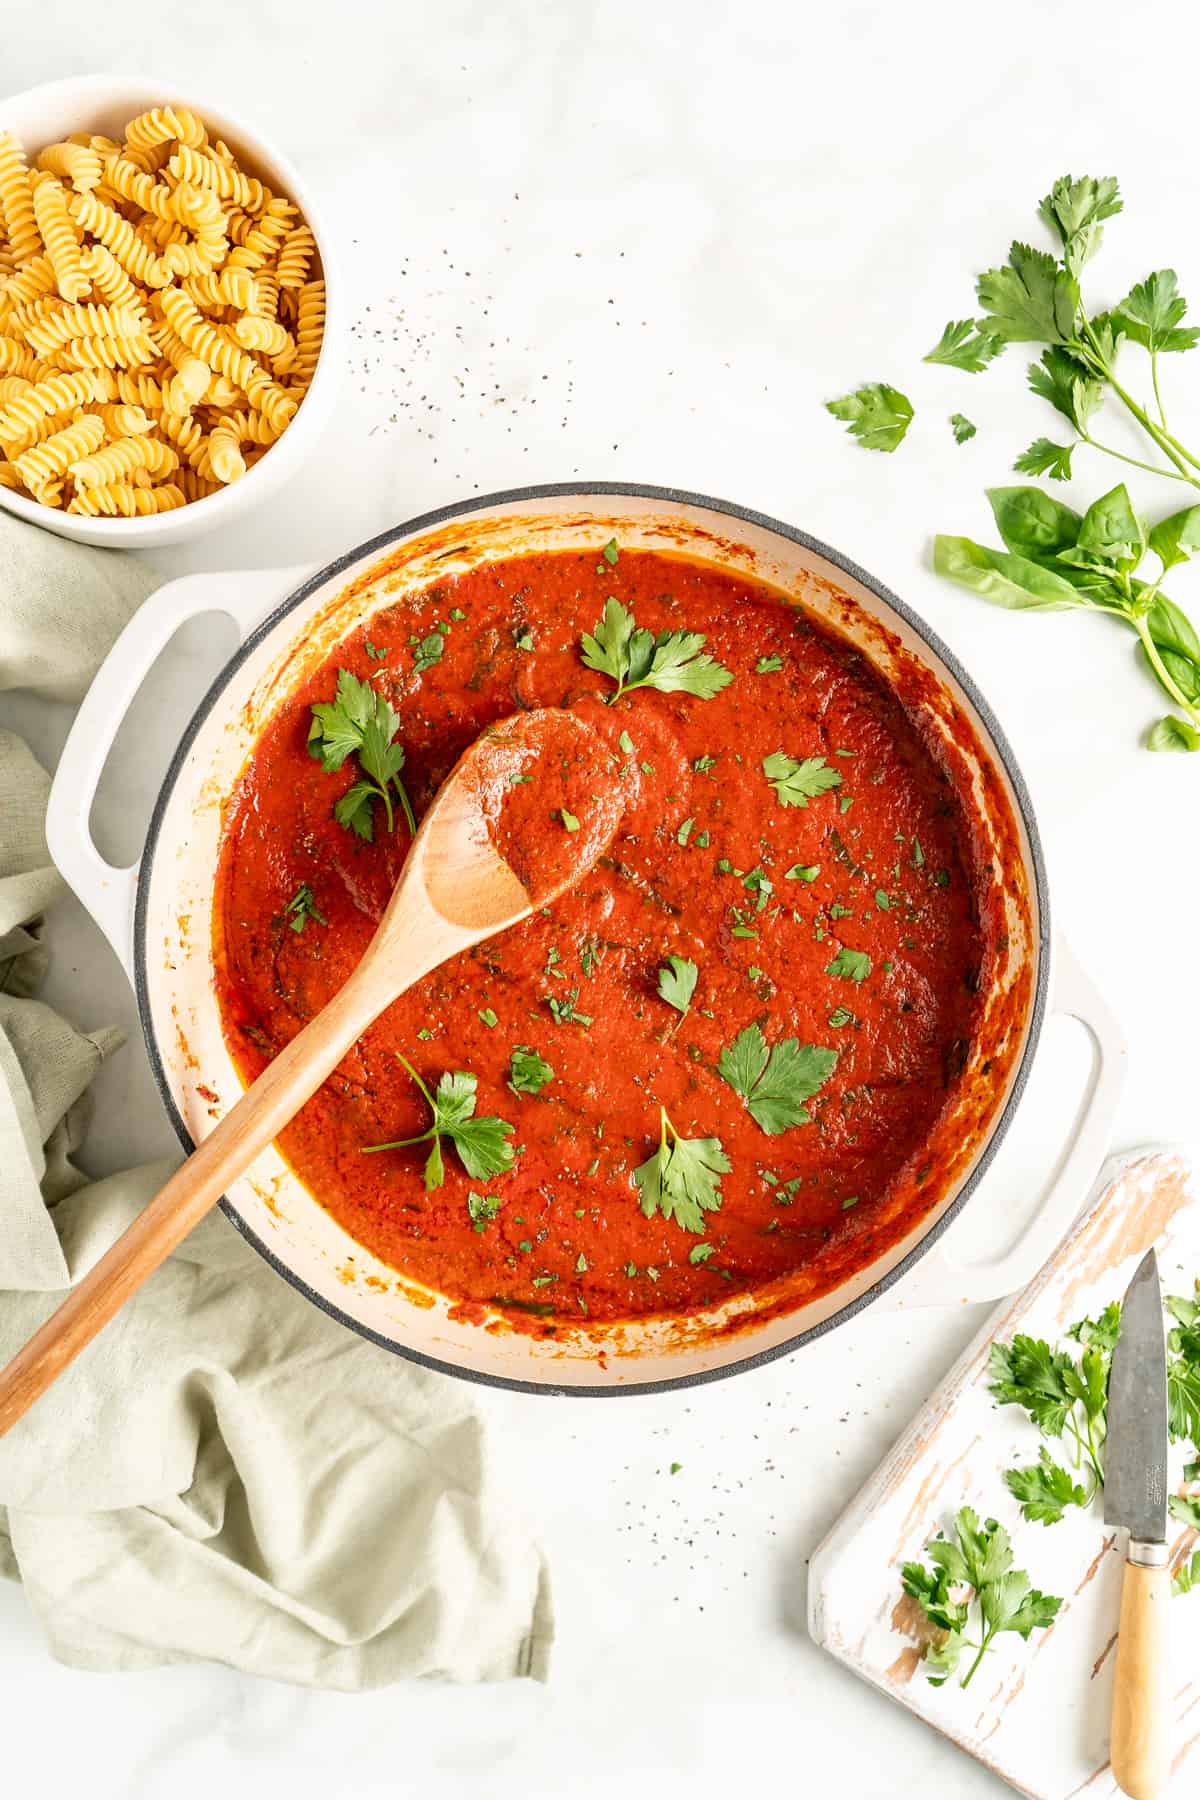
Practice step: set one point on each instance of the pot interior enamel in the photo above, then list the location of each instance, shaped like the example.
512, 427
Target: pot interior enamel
174, 929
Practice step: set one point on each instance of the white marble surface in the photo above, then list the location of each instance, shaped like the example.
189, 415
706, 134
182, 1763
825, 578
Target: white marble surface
630, 241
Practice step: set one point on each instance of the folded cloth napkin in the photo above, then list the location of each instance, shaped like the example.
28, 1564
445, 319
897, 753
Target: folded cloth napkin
225, 1474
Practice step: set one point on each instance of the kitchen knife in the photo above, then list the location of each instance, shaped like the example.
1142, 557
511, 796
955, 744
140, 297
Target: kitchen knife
1135, 1498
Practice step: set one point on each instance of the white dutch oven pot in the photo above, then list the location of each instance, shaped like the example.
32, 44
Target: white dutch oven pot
157, 916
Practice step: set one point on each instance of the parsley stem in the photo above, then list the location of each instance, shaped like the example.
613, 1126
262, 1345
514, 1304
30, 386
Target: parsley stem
387, 804
1162, 412
407, 806
984, 1644
1135, 462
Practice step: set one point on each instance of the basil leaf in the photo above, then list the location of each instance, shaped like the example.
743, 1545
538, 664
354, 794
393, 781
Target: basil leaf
1174, 538
1005, 580
1172, 630
1032, 523
1172, 733
1112, 531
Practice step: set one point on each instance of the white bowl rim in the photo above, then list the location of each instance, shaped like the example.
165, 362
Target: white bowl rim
203, 515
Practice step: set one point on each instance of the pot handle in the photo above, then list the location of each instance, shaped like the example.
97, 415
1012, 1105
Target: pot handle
940, 1279
245, 596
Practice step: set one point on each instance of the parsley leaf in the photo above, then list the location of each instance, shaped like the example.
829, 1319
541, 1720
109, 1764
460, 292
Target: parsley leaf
965, 345
1046, 1489
1187, 1576
360, 721
301, 908
1151, 314
1044, 457
633, 657
978, 1557
1073, 211
677, 982
796, 783
1030, 300
962, 428
877, 415
775, 1084
854, 965
682, 1180
481, 1143
528, 1072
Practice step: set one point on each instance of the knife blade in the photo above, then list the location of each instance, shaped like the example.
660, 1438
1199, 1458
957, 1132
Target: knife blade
1135, 1497
1135, 1471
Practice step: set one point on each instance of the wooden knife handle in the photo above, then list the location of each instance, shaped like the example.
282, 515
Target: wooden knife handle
1141, 1761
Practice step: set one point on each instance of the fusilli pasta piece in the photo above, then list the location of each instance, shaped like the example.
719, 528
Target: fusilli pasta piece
162, 124
46, 461
16, 202
115, 461
59, 236
108, 352
57, 394
118, 235
225, 180
76, 163
54, 328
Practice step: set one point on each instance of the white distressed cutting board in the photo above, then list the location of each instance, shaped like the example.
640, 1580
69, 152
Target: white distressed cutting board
1037, 1713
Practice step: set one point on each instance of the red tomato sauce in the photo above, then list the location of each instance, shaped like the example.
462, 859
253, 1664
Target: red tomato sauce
705, 864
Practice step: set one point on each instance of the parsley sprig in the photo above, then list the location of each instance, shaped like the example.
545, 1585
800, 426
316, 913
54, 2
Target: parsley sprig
634, 657
979, 1558
481, 1142
1056, 559
775, 1083
682, 1180
360, 722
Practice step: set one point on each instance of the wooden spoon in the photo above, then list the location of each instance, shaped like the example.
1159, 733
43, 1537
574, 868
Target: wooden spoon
489, 850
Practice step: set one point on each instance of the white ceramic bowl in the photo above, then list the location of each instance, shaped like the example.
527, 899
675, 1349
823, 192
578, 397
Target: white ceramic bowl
106, 103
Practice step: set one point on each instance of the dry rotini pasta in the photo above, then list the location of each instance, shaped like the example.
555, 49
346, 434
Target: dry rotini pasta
46, 331
108, 352
161, 317
16, 201
44, 462
117, 460
162, 125
59, 236
79, 164
17, 359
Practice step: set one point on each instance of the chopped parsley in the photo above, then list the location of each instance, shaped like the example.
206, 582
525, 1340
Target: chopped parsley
563, 1011
482, 1209
569, 821
767, 665
677, 982
428, 652
301, 908
528, 1072
375, 652
802, 872
684, 832
796, 783
488, 1017
608, 557
854, 965
626, 743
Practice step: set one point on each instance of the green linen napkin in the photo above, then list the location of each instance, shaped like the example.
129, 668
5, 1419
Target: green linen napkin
225, 1474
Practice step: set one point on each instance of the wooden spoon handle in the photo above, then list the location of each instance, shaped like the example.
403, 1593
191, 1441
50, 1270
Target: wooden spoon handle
1141, 1692
258, 1117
